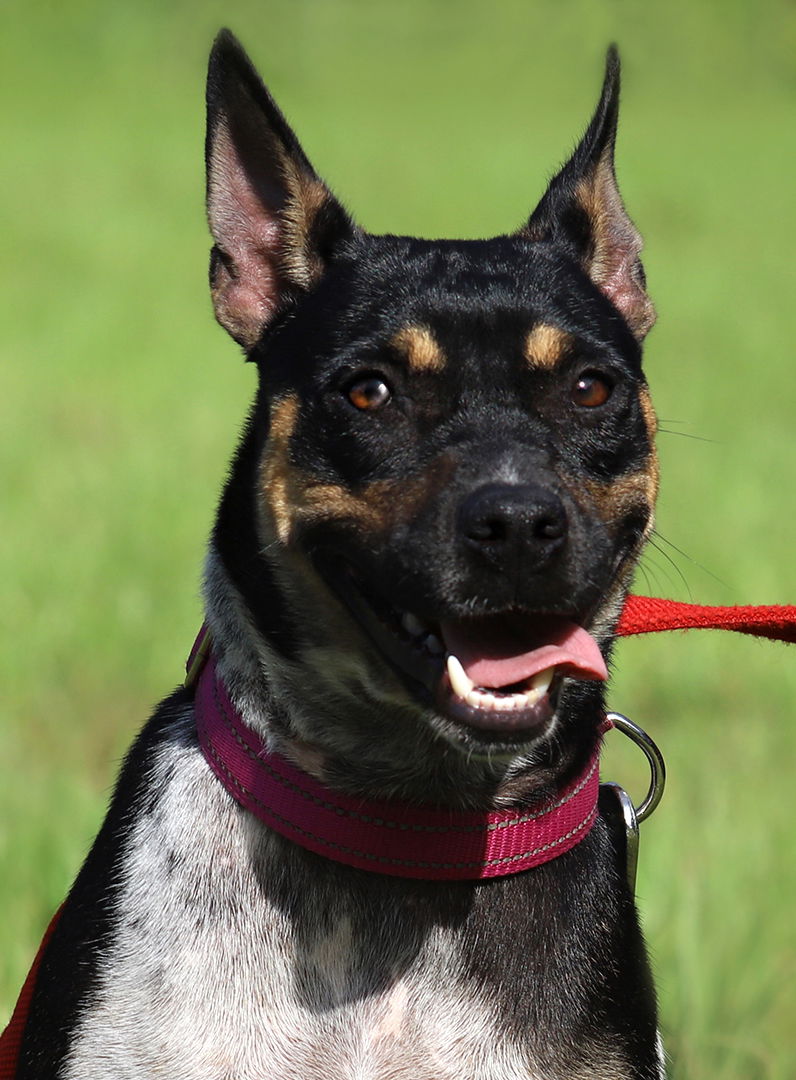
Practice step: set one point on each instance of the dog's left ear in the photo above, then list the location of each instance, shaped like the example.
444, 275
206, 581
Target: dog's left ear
582, 212
275, 224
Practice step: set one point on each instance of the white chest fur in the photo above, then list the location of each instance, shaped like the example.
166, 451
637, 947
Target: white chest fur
207, 978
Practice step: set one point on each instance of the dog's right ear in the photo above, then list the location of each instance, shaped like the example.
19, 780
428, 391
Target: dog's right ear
274, 222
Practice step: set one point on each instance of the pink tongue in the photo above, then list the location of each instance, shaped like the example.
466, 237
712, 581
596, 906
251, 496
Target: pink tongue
500, 650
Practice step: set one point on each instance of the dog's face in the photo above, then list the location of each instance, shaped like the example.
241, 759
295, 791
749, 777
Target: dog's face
451, 462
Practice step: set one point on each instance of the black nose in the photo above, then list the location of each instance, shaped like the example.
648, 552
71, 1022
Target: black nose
513, 525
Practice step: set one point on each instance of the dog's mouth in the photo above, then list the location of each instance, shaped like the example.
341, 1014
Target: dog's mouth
496, 675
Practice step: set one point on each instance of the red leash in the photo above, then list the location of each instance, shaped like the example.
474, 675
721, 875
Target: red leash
649, 615
641, 615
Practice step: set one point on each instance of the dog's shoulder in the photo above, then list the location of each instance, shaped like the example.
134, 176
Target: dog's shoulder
89, 925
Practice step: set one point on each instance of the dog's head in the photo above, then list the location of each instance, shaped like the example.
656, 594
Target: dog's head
449, 471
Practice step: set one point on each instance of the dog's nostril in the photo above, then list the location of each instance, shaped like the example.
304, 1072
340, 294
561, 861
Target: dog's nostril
506, 521
487, 531
550, 528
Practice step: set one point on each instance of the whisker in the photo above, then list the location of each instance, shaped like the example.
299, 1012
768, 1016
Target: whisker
650, 578
661, 576
687, 435
673, 564
693, 562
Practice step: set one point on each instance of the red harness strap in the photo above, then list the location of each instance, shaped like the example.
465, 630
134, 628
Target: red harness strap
641, 615
11, 1039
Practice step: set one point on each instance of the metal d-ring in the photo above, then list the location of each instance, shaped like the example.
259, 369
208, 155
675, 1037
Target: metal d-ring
654, 757
633, 815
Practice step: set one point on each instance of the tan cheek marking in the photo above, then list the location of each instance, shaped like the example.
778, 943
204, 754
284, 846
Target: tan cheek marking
420, 348
545, 345
651, 422
648, 412
324, 502
376, 508
622, 496
277, 474
292, 498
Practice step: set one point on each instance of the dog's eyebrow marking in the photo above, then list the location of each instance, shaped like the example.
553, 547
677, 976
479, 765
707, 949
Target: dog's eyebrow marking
545, 345
420, 347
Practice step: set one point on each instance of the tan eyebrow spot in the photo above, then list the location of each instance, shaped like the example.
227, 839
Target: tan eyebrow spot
545, 345
420, 348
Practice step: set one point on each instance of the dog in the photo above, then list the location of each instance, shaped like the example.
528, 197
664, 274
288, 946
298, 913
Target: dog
412, 586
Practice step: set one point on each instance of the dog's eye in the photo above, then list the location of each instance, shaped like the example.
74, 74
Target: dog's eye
368, 394
591, 389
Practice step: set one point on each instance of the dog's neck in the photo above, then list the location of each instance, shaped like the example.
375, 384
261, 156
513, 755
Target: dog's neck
400, 839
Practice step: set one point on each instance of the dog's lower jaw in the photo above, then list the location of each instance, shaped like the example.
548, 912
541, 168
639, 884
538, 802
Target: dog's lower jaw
343, 715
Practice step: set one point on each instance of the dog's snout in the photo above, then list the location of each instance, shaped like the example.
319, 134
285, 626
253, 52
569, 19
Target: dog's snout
511, 523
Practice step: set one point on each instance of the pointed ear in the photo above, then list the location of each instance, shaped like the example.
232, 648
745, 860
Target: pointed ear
274, 222
582, 212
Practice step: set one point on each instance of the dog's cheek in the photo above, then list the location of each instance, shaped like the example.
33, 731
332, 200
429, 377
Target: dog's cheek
626, 505
297, 517
301, 511
291, 501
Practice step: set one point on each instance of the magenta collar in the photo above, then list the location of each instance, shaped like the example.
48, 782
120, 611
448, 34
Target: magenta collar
427, 842
388, 837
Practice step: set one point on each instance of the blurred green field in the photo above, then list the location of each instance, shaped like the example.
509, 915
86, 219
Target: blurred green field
121, 400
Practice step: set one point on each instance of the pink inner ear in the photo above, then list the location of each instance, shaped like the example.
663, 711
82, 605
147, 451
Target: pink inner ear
626, 293
614, 265
247, 291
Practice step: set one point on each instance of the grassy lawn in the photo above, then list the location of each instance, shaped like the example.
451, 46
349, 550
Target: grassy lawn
121, 402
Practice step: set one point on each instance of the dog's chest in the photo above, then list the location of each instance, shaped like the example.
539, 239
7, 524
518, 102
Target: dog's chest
216, 972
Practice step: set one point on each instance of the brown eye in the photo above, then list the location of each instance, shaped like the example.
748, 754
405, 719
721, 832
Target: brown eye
369, 394
591, 390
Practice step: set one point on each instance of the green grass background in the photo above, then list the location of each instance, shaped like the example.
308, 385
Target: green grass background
121, 400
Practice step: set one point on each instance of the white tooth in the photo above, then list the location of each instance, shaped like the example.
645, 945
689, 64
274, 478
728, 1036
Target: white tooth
412, 624
482, 698
434, 645
461, 684
542, 679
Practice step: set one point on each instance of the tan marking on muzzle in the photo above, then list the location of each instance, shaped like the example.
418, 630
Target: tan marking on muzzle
294, 499
420, 348
628, 493
545, 345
